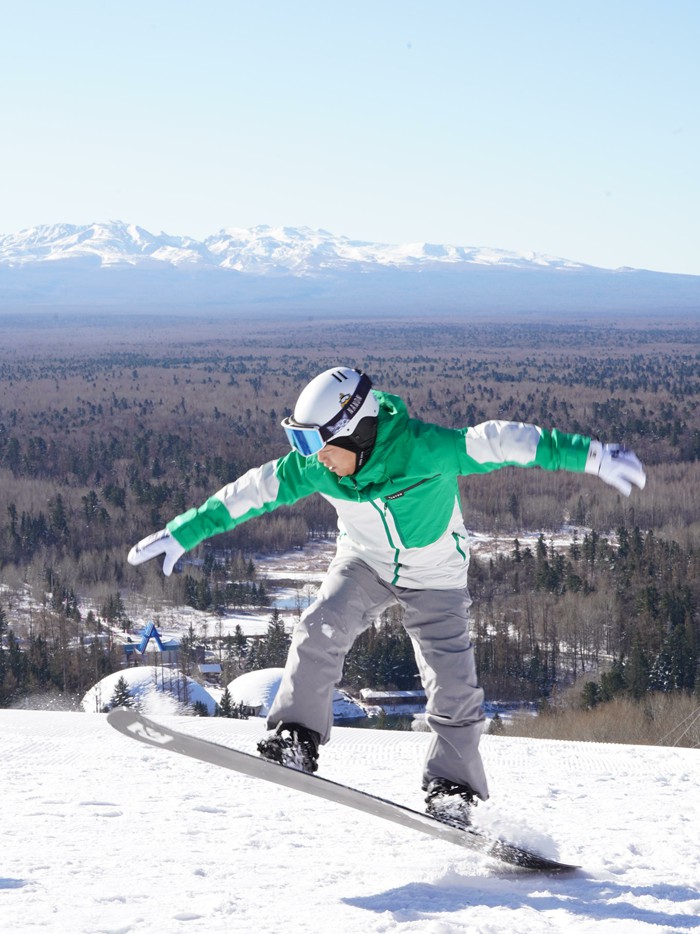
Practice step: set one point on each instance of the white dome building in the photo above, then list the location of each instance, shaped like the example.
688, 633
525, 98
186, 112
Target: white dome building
257, 690
154, 690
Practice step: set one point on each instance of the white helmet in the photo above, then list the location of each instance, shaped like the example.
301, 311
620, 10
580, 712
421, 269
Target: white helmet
334, 406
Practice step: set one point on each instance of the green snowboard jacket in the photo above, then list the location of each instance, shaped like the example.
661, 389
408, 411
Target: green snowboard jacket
401, 512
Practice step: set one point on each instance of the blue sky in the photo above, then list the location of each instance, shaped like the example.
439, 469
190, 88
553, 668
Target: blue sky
568, 128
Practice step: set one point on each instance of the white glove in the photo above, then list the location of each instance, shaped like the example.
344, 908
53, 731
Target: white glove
160, 543
617, 466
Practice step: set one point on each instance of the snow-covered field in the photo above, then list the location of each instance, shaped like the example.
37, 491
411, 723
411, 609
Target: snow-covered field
104, 836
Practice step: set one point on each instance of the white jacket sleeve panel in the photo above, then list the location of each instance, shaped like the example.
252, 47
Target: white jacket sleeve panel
253, 492
501, 442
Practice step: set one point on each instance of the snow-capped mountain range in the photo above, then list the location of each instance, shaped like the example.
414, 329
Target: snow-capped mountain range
283, 268
261, 250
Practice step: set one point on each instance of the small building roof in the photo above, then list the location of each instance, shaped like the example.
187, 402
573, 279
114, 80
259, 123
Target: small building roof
151, 641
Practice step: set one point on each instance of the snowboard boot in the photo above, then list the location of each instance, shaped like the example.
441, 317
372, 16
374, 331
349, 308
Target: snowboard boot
449, 802
292, 745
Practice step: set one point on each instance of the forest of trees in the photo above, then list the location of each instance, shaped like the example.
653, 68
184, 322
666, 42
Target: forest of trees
102, 443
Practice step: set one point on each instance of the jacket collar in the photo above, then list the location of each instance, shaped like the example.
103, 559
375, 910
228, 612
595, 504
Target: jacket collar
392, 421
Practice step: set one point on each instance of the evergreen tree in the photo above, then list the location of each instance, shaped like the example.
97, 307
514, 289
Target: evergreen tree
612, 682
38, 661
122, 695
591, 695
114, 611
358, 666
276, 643
255, 659
240, 642
203, 598
225, 708
58, 521
496, 727
637, 670
675, 666
382, 657
17, 672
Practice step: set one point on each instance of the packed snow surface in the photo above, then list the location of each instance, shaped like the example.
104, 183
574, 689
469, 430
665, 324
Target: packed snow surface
102, 835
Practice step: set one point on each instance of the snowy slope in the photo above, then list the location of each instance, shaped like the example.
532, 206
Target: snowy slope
102, 835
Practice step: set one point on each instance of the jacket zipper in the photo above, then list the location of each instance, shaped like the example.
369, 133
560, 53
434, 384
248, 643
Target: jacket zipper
411, 487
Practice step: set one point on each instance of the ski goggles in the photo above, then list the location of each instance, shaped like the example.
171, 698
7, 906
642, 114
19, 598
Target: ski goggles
309, 439
305, 440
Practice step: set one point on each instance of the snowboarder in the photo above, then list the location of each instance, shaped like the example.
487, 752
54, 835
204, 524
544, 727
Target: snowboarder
401, 538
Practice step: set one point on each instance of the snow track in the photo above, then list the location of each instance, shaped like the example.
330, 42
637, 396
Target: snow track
103, 836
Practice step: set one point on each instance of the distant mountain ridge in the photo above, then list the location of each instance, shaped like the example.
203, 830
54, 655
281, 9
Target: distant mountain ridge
257, 250
280, 269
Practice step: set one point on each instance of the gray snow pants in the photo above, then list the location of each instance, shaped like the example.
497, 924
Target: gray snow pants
437, 622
